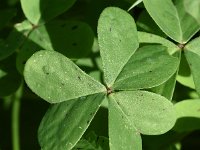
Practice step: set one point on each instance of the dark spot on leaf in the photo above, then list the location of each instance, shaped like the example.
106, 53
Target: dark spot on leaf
74, 27
74, 44
62, 84
91, 114
163, 109
45, 70
150, 71
88, 122
40, 38
118, 103
79, 77
122, 117
110, 29
120, 40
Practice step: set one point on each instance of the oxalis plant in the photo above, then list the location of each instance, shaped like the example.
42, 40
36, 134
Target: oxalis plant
134, 76
128, 72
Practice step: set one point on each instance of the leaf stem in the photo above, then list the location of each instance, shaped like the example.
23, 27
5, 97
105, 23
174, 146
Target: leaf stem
15, 118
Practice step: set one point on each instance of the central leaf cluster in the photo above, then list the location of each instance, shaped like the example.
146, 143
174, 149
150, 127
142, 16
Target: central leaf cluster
128, 69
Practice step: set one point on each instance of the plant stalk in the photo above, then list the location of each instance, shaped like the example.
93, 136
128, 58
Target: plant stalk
16, 117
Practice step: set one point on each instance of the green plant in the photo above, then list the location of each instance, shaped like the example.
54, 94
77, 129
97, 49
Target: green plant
132, 71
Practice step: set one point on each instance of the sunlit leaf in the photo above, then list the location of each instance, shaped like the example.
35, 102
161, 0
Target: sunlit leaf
55, 78
150, 66
173, 19
122, 133
193, 8
192, 53
118, 40
65, 123
147, 112
188, 115
155, 39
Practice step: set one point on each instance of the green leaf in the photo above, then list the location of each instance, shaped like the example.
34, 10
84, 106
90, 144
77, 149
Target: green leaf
188, 115
118, 40
167, 89
137, 2
55, 78
192, 55
146, 24
73, 39
193, 8
40, 11
149, 67
147, 112
15, 39
93, 142
152, 38
184, 73
122, 134
27, 50
65, 123
172, 19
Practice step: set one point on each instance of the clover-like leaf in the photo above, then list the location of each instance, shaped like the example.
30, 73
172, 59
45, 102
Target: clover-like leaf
117, 36
193, 8
55, 78
15, 39
166, 89
73, 39
65, 123
122, 134
40, 11
149, 113
173, 19
184, 73
150, 66
192, 54
188, 115
93, 142
155, 39
146, 24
